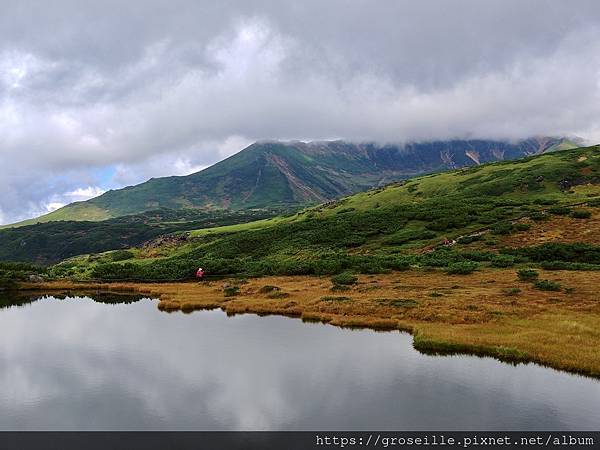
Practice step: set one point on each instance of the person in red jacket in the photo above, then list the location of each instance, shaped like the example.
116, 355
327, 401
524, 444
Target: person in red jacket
200, 273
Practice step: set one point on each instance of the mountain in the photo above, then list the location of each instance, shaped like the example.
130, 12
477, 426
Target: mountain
552, 196
51, 242
272, 174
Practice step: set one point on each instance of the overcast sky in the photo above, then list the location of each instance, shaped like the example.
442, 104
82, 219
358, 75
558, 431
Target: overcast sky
101, 94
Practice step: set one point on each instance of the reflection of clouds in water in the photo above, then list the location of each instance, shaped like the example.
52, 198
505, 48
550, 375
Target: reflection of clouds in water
76, 364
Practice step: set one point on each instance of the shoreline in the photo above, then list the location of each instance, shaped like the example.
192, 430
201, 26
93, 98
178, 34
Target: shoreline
478, 314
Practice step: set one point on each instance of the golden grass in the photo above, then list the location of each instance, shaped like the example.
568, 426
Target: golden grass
562, 229
467, 313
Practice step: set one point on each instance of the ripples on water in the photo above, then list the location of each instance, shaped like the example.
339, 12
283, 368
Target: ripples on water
119, 364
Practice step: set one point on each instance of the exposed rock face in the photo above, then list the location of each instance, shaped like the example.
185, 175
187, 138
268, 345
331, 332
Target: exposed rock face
172, 240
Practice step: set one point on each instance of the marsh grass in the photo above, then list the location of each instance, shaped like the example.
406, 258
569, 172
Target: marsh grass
341, 288
511, 292
331, 298
400, 302
267, 289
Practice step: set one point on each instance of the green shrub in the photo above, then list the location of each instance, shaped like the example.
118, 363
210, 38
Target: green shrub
344, 278
468, 239
327, 266
547, 285
522, 226
557, 251
278, 295
503, 261
562, 265
478, 256
538, 216
121, 255
545, 201
462, 267
527, 274
559, 210
231, 291
408, 235
581, 214
441, 257
502, 228
369, 265
401, 264
448, 222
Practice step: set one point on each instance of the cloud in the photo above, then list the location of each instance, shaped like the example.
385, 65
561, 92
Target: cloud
80, 194
159, 88
77, 195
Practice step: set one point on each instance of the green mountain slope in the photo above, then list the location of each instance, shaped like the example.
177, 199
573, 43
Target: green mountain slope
272, 174
51, 242
388, 227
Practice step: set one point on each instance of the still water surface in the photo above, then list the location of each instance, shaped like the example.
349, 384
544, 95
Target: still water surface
79, 364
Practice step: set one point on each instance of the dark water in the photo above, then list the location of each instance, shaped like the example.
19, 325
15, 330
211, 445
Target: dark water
76, 364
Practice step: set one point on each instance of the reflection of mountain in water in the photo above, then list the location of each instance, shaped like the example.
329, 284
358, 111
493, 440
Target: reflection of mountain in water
10, 299
109, 297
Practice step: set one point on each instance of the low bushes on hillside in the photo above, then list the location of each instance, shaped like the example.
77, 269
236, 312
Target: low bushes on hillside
539, 216
560, 210
503, 261
11, 273
562, 265
344, 278
462, 268
527, 274
502, 228
522, 226
581, 214
547, 285
556, 251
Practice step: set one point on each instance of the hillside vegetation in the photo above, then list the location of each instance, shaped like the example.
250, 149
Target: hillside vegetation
275, 174
397, 227
51, 242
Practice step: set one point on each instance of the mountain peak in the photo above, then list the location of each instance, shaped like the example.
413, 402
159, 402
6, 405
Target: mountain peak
283, 173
